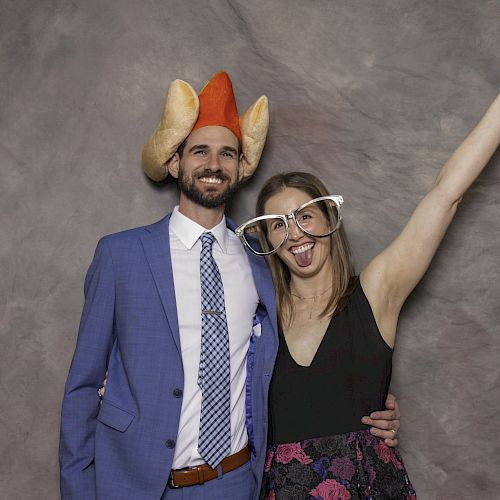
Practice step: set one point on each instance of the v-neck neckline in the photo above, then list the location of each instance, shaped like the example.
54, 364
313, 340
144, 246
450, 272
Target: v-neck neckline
287, 350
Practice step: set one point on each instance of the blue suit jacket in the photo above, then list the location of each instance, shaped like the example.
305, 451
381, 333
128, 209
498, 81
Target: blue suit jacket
123, 447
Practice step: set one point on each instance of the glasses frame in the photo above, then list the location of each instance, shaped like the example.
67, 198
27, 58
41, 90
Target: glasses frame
336, 198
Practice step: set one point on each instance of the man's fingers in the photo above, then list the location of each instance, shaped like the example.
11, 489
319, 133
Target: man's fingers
390, 398
385, 415
387, 435
384, 425
390, 402
391, 442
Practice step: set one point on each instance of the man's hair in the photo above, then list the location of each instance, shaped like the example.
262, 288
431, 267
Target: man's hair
342, 265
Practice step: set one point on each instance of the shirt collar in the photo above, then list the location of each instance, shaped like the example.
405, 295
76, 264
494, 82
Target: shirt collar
188, 231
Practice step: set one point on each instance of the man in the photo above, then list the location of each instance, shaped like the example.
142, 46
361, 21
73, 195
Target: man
187, 378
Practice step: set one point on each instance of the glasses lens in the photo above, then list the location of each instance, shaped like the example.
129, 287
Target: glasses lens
319, 218
264, 236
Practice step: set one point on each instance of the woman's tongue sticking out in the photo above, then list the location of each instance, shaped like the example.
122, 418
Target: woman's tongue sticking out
303, 254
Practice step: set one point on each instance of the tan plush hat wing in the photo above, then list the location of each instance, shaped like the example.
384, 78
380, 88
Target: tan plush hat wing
179, 116
254, 124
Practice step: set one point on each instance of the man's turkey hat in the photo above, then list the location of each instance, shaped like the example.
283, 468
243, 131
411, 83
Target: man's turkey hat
184, 111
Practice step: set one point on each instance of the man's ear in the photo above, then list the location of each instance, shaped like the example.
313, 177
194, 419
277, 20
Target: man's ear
173, 165
242, 168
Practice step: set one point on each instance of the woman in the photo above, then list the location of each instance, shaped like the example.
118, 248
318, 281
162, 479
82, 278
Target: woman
338, 330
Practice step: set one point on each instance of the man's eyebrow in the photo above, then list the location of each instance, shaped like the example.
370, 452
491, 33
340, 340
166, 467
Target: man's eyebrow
198, 146
204, 147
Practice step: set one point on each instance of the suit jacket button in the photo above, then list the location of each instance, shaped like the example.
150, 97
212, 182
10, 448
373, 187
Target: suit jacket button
178, 393
170, 443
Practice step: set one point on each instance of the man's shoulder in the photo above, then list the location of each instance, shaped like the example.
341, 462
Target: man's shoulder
132, 235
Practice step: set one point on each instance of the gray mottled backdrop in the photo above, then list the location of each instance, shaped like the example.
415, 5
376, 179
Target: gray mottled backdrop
372, 96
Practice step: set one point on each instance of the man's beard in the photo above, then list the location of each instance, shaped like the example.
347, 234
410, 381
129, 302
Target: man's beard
206, 199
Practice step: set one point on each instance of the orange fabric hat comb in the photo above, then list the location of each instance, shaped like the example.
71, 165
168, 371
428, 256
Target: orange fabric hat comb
218, 105
185, 111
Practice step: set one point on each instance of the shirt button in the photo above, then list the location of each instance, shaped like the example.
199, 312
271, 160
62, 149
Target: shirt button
170, 443
178, 393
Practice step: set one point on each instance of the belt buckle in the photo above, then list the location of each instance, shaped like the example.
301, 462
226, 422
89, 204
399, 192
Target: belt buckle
171, 483
197, 468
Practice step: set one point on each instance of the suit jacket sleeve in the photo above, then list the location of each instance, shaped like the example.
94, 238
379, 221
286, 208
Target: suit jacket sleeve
87, 372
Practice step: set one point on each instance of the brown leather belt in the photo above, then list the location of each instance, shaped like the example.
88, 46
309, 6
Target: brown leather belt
200, 474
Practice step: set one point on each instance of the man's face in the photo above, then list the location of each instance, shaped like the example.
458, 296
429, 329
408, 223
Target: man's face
208, 169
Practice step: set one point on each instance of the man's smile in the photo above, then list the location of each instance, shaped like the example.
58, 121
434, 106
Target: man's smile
211, 180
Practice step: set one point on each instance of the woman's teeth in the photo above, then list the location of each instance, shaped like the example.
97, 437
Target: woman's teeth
302, 248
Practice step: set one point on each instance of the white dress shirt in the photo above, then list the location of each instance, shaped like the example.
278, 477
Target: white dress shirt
241, 301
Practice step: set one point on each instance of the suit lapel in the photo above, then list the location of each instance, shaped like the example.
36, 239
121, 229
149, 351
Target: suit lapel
156, 244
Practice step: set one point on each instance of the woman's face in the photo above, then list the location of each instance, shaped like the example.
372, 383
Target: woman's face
304, 255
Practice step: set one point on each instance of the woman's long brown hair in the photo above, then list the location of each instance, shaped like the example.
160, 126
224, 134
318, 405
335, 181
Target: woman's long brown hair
342, 266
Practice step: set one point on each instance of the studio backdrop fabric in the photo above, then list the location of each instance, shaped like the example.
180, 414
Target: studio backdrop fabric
372, 97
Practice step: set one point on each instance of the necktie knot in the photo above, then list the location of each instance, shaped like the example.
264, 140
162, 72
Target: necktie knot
207, 240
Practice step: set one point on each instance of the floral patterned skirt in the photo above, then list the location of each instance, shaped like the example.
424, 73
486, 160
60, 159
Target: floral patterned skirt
355, 465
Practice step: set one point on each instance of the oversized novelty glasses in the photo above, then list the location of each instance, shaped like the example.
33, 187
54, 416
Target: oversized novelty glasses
319, 218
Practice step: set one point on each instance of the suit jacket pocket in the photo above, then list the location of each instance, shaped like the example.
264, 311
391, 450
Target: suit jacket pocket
115, 417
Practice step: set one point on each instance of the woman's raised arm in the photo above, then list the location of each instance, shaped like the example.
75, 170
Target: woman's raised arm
391, 276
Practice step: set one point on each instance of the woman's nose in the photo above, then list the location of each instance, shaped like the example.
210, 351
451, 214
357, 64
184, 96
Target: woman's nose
294, 231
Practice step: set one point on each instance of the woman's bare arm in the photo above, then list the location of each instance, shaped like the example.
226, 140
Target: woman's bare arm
391, 276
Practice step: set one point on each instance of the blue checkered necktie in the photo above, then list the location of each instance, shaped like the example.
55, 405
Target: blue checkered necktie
214, 377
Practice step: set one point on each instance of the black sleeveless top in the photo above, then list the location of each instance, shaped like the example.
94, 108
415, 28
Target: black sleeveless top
348, 378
